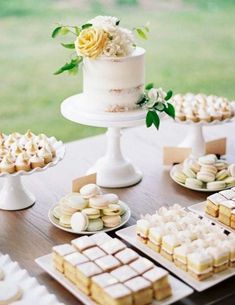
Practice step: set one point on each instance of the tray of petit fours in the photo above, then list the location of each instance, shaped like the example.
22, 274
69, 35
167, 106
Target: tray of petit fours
99, 269
17, 287
205, 174
190, 246
89, 211
24, 154
219, 208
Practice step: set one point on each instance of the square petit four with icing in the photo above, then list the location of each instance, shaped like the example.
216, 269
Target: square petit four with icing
220, 257
70, 263
108, 263
200, 265
141, 265
84, 273
83, 243
113, 246
141, 290
117, 294
225, 211
126, 256
160, 283
212, 205
98, 283
124, 273
142, 230
58, 254
100, 238
155, 238
228, 194
94, 253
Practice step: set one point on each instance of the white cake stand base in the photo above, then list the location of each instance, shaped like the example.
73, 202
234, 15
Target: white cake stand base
113, 169
14, 196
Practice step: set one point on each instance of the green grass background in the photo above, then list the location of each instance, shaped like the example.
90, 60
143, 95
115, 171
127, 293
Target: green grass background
190, 48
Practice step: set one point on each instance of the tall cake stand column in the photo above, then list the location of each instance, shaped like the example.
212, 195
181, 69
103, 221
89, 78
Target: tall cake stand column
113, 169
14, 196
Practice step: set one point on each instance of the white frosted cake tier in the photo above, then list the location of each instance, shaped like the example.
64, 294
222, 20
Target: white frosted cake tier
114, 84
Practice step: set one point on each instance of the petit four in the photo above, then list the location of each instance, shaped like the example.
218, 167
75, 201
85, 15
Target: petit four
83, 243
126, 256
94, 253
99, 283
113, 246
200, 265
107, 263
141, 290
70, 263
124, 273
117, 294
59, 253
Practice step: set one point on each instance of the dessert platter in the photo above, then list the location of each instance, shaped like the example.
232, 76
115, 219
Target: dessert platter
205, 174
24, 155
190, 246
89, 211
17, 287
102, 270
219, 207
198, 110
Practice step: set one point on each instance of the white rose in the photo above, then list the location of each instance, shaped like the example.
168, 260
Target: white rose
106, 23
158, 95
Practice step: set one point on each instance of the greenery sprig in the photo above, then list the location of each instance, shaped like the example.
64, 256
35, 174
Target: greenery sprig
155, 101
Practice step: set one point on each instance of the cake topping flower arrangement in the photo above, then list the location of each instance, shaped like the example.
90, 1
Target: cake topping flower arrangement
155, 101
101, 36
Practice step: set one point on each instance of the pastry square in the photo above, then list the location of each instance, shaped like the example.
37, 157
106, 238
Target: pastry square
226, 207
94, 253
58, 254
181, 252
126, 256
180, 265
141, 289
165, 254
98, 283
70, 263
228, 194
142, 230
220, 257
141, 265
100, 238
153, 246
155, 235
83, 243
230, 246
170, 242
200, 265
124, 273
224, 219
84, 273
108, 263
113, 246
117, 294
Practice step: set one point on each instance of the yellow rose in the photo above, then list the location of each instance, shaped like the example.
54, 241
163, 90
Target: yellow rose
91, 42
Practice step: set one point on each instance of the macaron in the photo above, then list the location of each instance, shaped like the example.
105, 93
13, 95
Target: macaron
79, 222
99, 202
65, 209
205, 177
195, 167
221, 165
188, 172
179, 177
111, 221
216, 185
112, 198
92, 213
90, 190
76, 201
209, 168
207, 159
65, 221
122, 207
95, 225
230, 181
56, 212
112, 209
221, 175
231, 170
193, 183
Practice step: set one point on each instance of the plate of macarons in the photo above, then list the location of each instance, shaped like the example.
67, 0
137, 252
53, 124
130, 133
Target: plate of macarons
89, 211
205, 174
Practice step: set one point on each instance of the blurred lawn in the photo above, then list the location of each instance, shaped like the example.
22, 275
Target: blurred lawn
189, 49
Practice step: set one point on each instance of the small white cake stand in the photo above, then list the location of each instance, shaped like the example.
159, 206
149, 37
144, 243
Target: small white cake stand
113, 170
13, 195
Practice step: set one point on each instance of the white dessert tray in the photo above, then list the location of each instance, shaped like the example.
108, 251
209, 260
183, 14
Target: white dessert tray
125, 217
179, 167
199, 208
129, 235
179, 289
13, 195
32, 290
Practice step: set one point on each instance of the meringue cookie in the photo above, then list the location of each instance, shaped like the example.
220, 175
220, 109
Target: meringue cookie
22, 162
36, 161
45, 154
7, 166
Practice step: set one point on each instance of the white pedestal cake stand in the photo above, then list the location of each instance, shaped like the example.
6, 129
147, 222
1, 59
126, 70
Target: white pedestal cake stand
13, 195
113, 170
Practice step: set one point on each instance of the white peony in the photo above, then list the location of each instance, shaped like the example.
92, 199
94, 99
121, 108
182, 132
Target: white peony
106, 23
157, 95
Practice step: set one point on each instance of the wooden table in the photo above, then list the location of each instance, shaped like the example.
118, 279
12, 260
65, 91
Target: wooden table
27, 234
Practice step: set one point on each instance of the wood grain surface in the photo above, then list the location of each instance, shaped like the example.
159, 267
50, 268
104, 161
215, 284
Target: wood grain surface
26, 235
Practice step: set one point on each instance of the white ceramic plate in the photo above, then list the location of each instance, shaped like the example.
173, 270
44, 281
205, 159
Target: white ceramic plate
129, 235
125, 217
199, 208
179, 167
32, 290
179, 289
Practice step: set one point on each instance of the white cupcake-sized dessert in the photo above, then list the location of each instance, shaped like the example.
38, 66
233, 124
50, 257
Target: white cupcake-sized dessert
22, 162
7, 165
9, 141
50, 148
31, 148
29, 135
45, 154
36, 161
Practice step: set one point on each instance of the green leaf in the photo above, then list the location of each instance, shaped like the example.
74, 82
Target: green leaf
69, 66
170, 110
77, 30
168, 95
64, 30
149, 119
56, 31
152, 118
85, 26
117, 23
156, 119
149, 86
68, 45
141, 33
